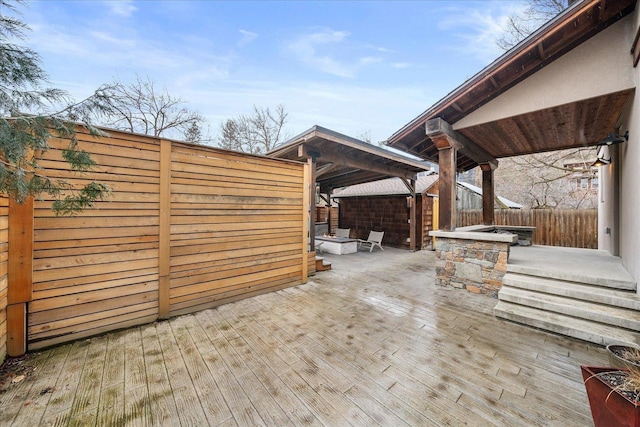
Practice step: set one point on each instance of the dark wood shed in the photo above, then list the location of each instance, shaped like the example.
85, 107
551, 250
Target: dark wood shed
384, 205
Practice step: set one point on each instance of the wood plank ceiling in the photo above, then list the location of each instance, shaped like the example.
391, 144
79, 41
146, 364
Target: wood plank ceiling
567, 126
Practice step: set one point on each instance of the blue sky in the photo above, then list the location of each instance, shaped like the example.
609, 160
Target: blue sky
354, 67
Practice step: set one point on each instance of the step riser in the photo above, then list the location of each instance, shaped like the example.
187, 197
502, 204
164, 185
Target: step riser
602, 313
628, 299
595, 281
596, 338
573, 311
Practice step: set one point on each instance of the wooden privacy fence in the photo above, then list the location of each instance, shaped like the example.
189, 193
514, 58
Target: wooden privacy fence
576, 228
187, 228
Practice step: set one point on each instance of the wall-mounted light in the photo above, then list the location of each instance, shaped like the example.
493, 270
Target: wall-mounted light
614, 138
603, 157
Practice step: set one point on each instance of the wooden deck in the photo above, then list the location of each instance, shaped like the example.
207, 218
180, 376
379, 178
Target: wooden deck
371, 342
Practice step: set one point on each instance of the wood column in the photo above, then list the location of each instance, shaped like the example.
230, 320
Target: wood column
164, 252
311, 161
411, 186
307, 216
328, 218
447, 160
19, 274
488, 193
412, 218
448, 142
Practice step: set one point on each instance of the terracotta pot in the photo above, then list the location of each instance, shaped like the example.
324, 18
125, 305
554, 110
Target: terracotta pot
608, 409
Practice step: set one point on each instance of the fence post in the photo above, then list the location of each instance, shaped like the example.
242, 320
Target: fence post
164, 251
19, 274
306, 220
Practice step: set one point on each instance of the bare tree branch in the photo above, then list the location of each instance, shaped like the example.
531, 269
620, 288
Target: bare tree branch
533, 16
257, 133
138, 107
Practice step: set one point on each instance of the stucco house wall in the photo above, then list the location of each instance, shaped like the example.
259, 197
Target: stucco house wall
628, 161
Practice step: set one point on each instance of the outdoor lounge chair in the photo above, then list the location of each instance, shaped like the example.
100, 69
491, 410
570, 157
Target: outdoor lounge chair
343, 232
374, 239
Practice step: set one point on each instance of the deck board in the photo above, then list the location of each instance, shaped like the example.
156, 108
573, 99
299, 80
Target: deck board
371, 342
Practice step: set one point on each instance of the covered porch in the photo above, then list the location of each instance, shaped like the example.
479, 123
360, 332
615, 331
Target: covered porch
557, 89
371, 342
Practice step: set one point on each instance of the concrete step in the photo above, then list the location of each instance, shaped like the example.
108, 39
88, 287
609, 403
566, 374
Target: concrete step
586, 330
580, 291
597, 312
618, 279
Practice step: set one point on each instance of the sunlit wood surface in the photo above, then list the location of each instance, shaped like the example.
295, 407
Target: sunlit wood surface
371, 342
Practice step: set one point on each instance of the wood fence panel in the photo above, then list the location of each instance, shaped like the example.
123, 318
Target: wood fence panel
98, 271
576, 228
4, 252
186, 228
236, 227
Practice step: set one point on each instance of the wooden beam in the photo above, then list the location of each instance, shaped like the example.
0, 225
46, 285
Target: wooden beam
164, 252
541, 52
324, 169
493, 82
337, 158
488, 194
443, 136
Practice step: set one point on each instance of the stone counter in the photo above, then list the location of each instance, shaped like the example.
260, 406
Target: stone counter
472, 260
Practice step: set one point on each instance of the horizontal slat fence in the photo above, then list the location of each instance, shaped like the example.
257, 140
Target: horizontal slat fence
224, 226
576, 228
236, 227
4, 251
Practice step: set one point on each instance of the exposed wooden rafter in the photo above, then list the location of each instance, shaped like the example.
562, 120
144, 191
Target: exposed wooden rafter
439, 130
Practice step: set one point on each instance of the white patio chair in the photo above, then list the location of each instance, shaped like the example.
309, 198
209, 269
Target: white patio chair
343, 232
374, 239
318, 247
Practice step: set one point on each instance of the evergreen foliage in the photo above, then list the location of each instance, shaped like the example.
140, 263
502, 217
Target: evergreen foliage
30, 115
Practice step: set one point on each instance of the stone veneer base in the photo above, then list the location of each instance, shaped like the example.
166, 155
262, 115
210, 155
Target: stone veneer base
472, 260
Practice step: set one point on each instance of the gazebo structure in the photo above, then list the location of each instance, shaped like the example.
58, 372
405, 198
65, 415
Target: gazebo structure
338, 161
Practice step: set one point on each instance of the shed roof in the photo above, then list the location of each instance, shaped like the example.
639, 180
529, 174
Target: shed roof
386, 187
576, 124
342, 160
395, 187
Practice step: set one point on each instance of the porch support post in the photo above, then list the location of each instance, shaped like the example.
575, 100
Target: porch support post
488, 193
328, 205
449, 142
412, 218
411, 186
447, 158
311, 160
19, 274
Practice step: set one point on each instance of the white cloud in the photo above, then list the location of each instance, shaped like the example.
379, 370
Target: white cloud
112, 40
124, 8
401, 65
247, 37
368, 60
306, 50
480, 28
